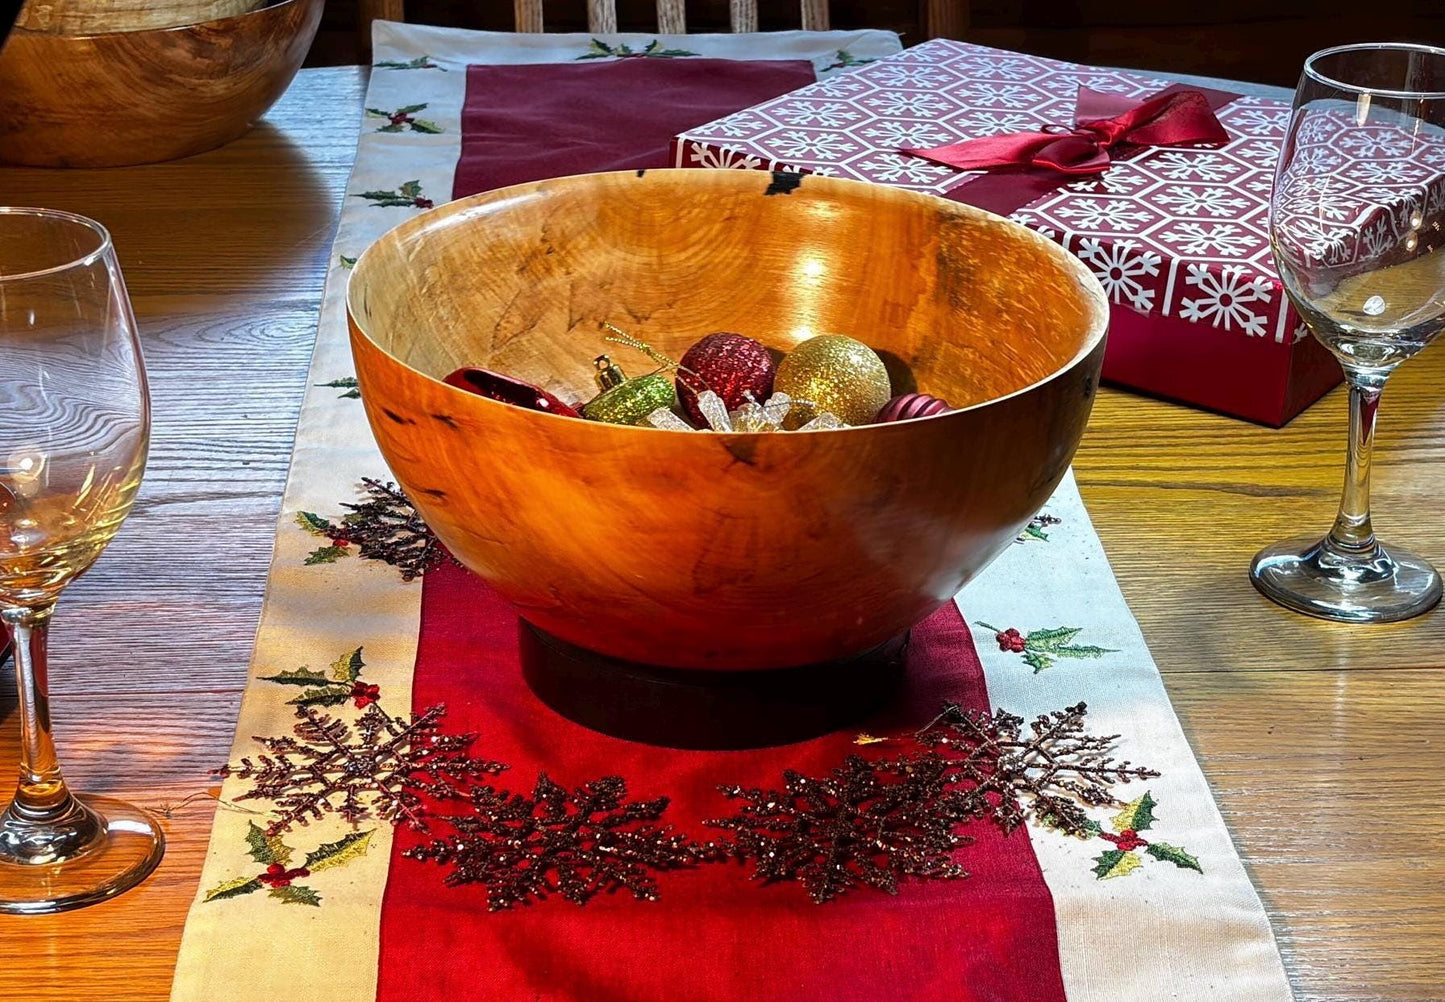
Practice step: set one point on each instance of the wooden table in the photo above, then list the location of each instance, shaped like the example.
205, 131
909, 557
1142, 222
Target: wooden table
1324, 743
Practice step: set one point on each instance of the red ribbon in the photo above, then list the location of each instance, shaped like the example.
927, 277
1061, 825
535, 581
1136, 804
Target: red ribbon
1101, 122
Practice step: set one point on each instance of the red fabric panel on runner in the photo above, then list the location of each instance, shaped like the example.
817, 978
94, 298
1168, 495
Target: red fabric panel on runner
524, 123
714, 934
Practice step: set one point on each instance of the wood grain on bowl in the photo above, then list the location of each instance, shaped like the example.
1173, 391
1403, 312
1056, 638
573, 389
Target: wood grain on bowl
130, 97
87, 17
729, 551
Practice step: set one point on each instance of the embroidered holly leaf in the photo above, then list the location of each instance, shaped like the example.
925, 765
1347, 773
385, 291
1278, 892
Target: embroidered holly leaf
1116, 863
1137, 815
294, 894
419, 63
425, 126
1052, 640
411, 189
266, 848
296, 676
333, 695
347, 667
673, 53
376, 196
347, 262
1034, 532
233, 888
411, 109
325, 555
352, 845
313, 523
347, 383
1083, 651
1085, 829
597, 50
376, 113
1175, 855
397, 127
1034, 659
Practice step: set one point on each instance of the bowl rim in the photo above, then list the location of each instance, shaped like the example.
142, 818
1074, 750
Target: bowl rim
1089, 283
270, 5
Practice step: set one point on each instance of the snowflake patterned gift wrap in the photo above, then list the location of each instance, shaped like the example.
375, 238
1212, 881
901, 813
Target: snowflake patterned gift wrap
1177, 236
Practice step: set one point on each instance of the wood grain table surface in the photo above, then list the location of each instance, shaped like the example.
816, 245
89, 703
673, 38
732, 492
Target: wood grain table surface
1324, 743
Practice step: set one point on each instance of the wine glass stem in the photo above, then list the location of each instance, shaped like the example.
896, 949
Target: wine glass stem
1352, 531
41, 794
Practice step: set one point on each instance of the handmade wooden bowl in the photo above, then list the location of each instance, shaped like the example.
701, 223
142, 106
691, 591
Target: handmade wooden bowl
86, 17
724, 551
140, 96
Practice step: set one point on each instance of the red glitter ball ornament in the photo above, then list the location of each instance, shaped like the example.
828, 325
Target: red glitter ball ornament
730, 365
911, 405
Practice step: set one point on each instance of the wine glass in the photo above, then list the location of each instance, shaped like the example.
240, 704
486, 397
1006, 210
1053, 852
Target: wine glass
1357, 223
74, 424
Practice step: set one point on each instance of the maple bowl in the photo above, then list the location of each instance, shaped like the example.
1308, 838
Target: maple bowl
124, 91
702, 550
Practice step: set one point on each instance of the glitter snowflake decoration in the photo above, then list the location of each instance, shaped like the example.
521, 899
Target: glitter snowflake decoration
385, 526
574, 843
865, 824
382, 766
1002, 773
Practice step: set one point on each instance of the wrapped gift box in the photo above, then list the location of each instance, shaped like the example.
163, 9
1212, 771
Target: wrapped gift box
1177, 236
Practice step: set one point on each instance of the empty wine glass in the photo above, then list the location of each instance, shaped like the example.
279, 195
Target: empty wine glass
74, 424
1357, 222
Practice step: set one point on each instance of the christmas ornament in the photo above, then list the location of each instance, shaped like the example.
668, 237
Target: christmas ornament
734, 367
911, 405
751, 418
506, 390
835, 374
624, 400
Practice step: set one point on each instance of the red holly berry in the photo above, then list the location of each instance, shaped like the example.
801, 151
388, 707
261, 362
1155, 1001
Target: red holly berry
338, 541
363, 694
277, 875
422, 203
1010, 640
1126, 840
400, 119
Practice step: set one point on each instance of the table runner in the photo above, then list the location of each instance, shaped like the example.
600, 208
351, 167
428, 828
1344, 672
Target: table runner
1147, 899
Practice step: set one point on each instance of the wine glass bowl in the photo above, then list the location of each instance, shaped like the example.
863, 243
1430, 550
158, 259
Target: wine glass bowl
74, 426
1357, 223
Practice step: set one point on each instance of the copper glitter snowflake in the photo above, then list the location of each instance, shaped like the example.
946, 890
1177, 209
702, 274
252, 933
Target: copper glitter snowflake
575, 843
383, 527
1056, 767
865, 824
382, 766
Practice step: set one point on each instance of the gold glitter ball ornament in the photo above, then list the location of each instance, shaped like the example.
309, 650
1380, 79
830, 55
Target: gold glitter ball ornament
835, 374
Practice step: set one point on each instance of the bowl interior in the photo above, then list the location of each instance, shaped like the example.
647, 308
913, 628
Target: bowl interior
959, 303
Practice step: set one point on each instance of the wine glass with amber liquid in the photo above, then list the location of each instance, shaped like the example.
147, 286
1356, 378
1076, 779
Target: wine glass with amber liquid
1357, 222
74, 425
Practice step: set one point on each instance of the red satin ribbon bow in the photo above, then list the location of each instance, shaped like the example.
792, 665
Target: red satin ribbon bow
1101, 121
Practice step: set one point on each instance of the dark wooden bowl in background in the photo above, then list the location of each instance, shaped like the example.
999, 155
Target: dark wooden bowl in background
130, 97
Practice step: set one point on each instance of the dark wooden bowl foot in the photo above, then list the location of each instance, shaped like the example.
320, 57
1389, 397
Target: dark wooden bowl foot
711, 710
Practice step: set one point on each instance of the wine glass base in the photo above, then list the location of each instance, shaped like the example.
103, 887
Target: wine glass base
1310, 575
120, 852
